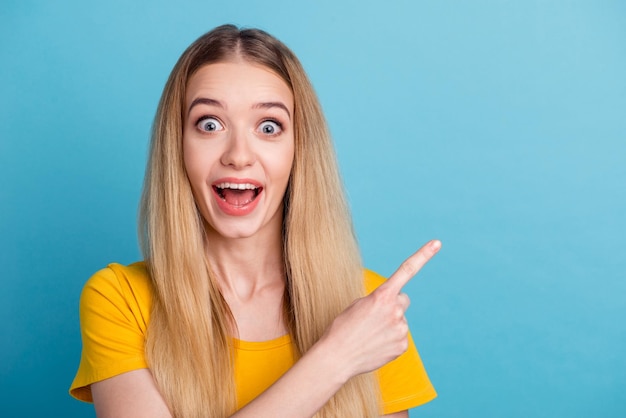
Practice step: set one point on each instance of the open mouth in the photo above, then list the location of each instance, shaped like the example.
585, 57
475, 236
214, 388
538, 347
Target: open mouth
237, 194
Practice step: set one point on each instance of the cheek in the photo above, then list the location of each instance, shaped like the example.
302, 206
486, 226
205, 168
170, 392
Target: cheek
193, 163
284, 165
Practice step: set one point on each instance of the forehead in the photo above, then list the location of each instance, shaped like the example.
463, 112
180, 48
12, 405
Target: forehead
238, 81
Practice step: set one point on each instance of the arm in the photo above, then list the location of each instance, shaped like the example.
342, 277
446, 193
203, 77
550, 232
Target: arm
134, 394
368, 334
300, 392
130, 394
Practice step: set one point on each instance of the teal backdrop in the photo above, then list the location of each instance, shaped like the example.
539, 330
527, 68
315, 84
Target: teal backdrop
498, 127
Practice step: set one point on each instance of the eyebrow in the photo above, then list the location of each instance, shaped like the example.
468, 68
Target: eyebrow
213, 102
269, 105
206, 101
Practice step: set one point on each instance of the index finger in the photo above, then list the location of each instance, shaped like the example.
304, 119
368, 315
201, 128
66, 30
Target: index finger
411, 266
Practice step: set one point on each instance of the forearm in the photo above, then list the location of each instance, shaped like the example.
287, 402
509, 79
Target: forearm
302, 390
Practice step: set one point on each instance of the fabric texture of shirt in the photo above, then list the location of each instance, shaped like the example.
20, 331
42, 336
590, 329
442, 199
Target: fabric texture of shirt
114, 314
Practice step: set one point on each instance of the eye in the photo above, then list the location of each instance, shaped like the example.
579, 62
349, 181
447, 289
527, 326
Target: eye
270, 127
209, 124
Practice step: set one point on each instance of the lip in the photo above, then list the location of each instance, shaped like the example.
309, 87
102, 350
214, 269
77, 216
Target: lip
233, 210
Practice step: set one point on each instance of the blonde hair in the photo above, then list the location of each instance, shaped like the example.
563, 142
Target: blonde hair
322, 262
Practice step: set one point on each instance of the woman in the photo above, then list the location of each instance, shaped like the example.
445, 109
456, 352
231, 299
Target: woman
250, 301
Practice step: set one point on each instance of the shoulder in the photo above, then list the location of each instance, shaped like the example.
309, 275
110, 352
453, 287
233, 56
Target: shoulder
118, 290
114, 314
123, 280
372, 280
135, 274
403, 381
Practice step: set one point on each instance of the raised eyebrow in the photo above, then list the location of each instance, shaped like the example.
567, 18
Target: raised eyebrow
205, 101
269, 105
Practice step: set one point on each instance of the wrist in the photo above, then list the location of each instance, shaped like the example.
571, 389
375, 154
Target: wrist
328, 354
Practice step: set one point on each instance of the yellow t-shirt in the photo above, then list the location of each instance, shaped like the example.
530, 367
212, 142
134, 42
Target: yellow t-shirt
114, 315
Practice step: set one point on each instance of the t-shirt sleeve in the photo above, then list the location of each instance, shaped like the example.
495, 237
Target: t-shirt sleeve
404, 383
113, 320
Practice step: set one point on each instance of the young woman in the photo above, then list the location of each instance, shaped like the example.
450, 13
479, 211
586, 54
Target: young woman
251, 301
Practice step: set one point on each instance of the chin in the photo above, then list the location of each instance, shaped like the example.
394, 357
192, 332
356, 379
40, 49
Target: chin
229, 231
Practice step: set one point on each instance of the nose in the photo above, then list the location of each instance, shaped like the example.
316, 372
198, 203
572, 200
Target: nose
238, 152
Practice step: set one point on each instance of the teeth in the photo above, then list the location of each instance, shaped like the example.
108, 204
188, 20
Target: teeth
236, 186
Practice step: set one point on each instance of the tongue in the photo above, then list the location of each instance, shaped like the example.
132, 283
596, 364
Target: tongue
238, 197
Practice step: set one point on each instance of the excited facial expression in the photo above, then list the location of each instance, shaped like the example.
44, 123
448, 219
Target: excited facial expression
238, 146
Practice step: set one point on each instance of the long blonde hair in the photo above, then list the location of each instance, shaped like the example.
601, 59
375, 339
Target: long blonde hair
189, 344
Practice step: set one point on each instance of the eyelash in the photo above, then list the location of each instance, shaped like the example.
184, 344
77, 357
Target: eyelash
204, 118
280, 125
276, 121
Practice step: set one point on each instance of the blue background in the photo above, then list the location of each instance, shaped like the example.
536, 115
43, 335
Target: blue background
497, 126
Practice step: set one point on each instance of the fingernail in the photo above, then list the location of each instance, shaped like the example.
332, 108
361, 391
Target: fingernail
435, 245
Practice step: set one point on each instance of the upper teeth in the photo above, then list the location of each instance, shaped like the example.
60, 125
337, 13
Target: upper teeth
236, 186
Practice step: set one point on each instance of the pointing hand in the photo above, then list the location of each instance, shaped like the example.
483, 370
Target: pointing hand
373, 330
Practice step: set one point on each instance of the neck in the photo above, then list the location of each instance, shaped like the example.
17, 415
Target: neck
244, 266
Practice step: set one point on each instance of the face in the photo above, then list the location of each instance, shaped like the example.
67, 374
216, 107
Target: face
238, 145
